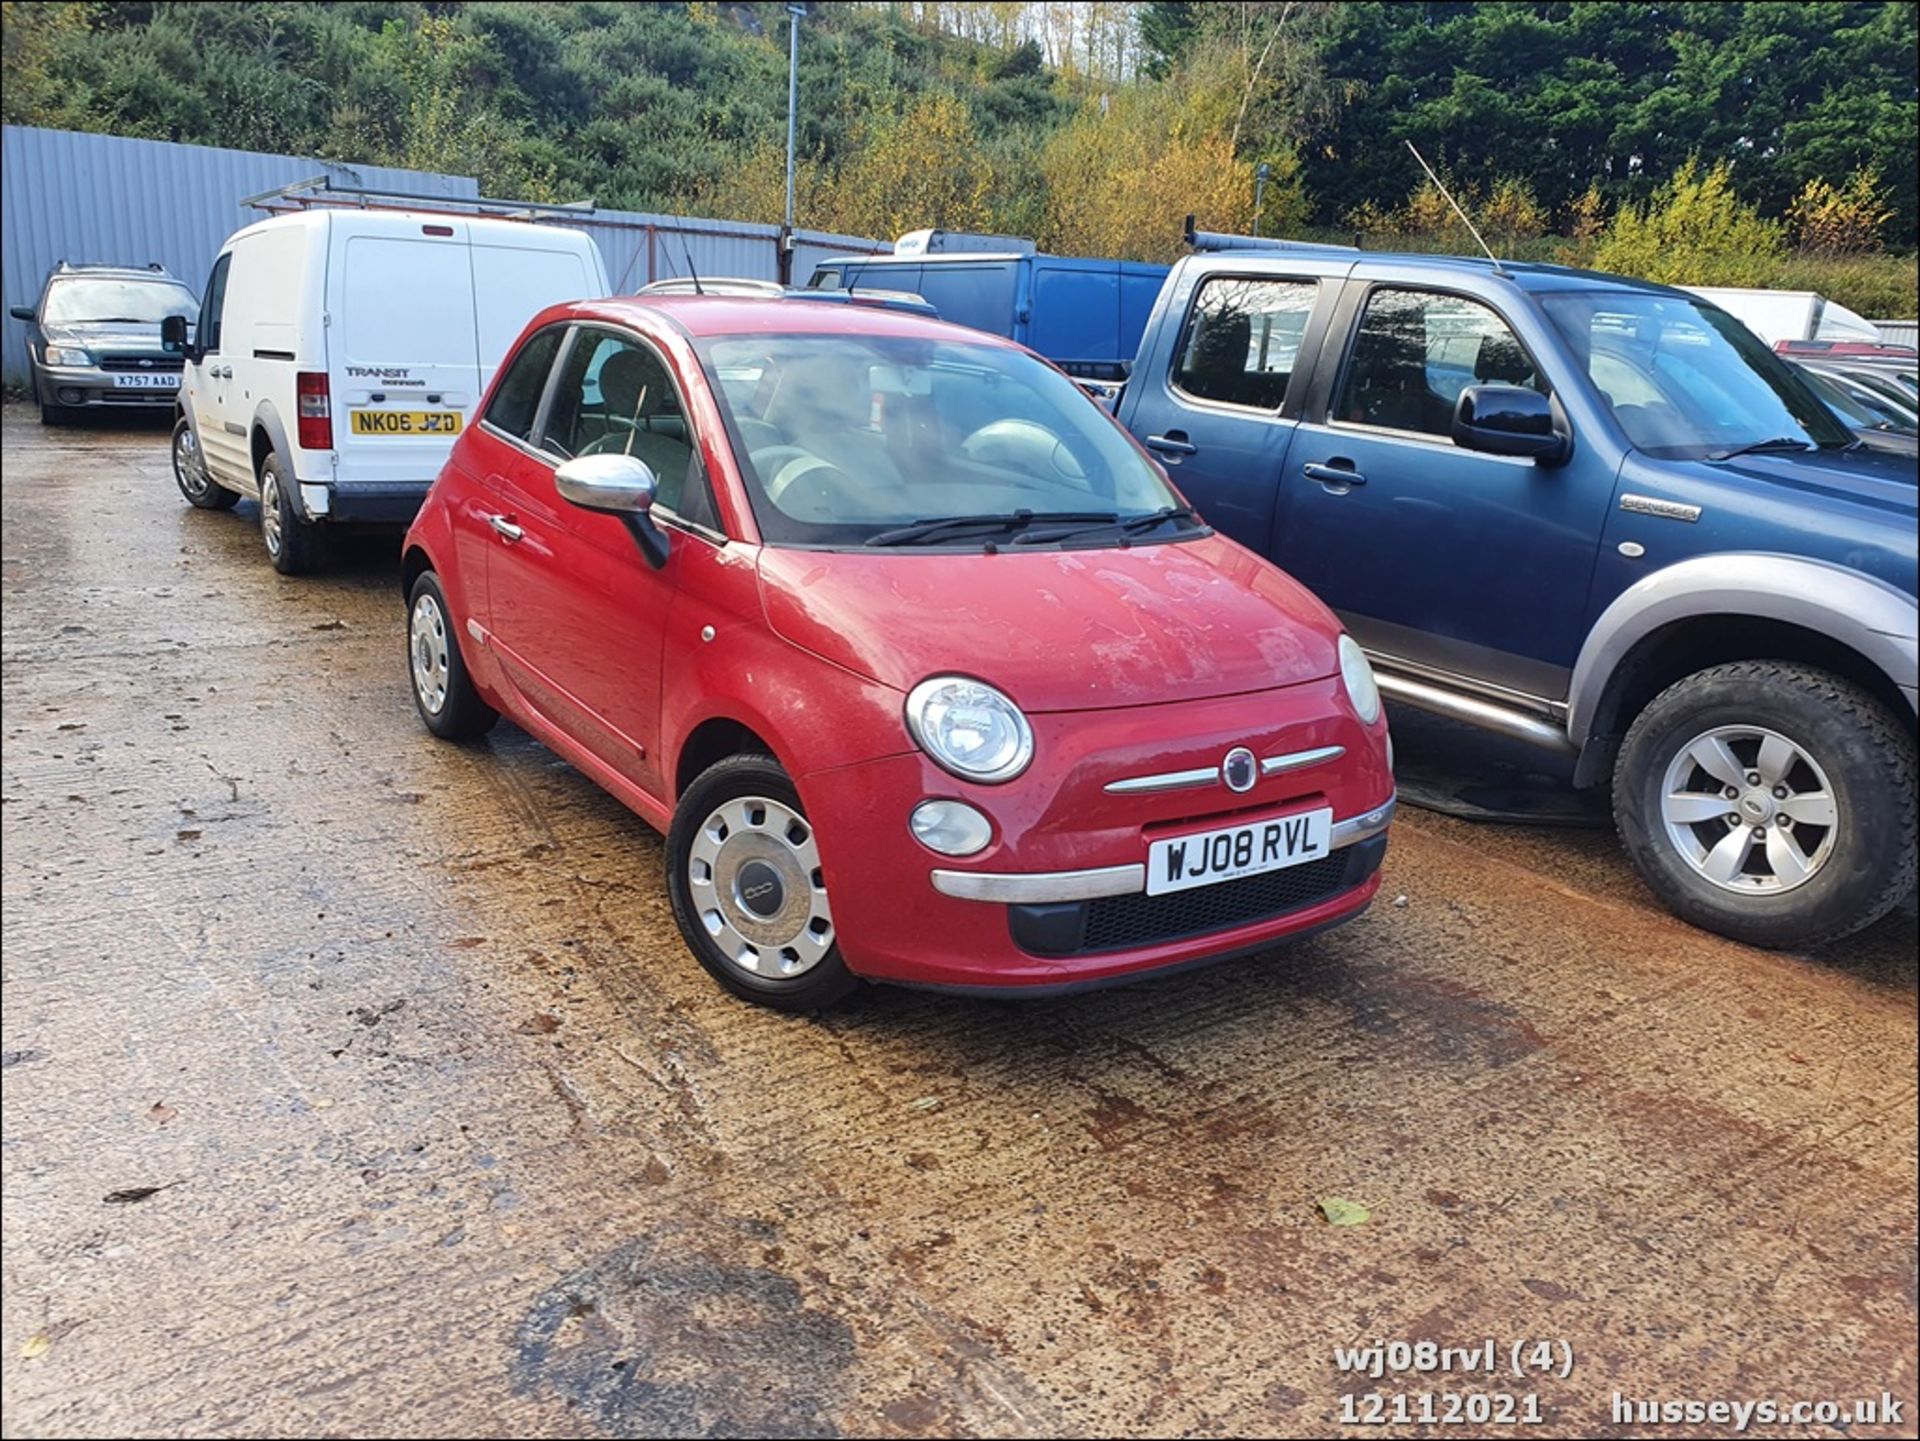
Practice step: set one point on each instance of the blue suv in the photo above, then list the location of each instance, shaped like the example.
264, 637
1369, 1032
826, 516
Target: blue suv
1596, 514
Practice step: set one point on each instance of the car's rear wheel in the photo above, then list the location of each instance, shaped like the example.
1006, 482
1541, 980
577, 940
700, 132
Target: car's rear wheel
1770, 802
743, 870
292, 541
191, 475
443, 692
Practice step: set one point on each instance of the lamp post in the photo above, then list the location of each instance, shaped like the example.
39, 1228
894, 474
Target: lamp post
794, 13
1260, 174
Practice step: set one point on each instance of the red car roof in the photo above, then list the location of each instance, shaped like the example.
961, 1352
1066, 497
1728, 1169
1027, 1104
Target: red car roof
704, 315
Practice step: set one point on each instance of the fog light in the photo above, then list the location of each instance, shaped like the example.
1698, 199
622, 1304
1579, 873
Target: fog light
952, 828
68, 395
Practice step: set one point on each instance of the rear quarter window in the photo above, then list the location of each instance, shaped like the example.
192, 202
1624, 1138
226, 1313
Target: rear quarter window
515, 403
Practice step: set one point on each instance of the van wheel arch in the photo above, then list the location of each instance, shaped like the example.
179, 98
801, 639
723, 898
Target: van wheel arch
1684, 647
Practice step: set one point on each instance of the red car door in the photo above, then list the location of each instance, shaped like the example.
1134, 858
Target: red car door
576, 613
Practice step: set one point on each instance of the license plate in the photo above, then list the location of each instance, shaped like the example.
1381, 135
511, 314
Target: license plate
1207, 857
405, 422
165, 381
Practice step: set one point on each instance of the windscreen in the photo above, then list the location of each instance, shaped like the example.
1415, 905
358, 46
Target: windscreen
1687, 380
144, 302
844, 438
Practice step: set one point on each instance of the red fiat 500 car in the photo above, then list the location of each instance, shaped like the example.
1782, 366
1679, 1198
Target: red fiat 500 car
925, 670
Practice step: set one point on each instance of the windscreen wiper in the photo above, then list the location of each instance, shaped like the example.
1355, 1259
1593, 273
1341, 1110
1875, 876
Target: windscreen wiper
925, 530
1133, 525
1761, 447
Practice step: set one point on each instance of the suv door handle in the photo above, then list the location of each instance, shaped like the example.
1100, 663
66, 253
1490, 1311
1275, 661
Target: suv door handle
1174, 442
1336, 475
505, 529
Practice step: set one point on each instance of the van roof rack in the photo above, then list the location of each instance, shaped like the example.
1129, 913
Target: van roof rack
744, 287
321, 190
1213, 240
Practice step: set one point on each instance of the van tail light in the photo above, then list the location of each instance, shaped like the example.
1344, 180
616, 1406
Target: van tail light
316, 410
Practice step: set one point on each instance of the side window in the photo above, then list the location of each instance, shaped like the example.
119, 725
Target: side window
209, 336
614, 397
1243, 339
517, 398
1416, 351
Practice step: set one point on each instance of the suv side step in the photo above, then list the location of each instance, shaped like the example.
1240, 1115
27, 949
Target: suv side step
1476, 712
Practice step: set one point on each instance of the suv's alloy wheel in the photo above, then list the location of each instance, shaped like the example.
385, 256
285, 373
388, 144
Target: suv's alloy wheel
1771, 802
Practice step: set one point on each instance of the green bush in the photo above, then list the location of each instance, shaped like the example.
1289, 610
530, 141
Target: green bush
1695, 231
1880, 287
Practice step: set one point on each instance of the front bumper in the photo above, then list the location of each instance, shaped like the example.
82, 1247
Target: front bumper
1057, 900
88, 387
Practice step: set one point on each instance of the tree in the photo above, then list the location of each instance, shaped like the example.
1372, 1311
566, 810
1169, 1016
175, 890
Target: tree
1695, 231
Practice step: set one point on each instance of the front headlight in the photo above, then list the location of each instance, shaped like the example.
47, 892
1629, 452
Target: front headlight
1357, 676
66, 355
969, 728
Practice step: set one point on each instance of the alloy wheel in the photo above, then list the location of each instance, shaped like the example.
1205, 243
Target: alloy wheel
270, 512
1749, 810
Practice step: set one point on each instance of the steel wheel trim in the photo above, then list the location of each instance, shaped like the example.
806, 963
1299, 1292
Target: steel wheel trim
188, 465
427, 653
1749, 809
270, 511
754, 874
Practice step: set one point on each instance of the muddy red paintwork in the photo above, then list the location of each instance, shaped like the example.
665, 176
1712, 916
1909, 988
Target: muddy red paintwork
1131, 663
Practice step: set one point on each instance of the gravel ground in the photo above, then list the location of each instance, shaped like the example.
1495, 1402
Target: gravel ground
358, 1083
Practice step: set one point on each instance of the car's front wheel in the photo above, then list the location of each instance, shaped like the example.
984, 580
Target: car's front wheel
743, 871
1770, 802
191, 475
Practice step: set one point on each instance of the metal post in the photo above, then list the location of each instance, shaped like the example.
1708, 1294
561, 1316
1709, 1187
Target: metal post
794, 13
1260, 174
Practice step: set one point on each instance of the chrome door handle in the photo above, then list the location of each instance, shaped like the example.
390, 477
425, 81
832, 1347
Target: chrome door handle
1340, 476
505, 529
1174, 444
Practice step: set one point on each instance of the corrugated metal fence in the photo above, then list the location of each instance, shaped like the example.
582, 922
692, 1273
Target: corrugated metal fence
71, 196
1899, 332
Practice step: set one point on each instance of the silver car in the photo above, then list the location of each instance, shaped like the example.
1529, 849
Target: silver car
93, 338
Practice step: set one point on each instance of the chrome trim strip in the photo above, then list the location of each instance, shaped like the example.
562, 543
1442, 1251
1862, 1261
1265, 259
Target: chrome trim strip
1484, 714
1300, 760
1166, 781
1036, 886
1041, 887
1359, 828
1454, 681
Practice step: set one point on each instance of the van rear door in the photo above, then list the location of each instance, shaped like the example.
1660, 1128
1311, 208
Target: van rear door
404, 367
518, 271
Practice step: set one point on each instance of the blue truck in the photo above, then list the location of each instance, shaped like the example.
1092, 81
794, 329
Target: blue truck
1086, 316
1592, 513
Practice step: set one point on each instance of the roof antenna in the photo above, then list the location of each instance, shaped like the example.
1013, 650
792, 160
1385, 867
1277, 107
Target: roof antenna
687, 250
1498, 269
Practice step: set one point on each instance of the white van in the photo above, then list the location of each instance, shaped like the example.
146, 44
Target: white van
339, 352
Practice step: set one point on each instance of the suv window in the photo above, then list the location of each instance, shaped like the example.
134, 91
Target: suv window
144, 302
1417, 350
614, 397
1243, 339
517, 399
209, 336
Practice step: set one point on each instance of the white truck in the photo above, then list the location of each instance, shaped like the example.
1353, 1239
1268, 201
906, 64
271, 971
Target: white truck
1777, 315
341, 349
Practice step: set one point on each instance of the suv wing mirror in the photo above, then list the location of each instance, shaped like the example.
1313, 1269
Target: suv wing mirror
1509, 420
621, 485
